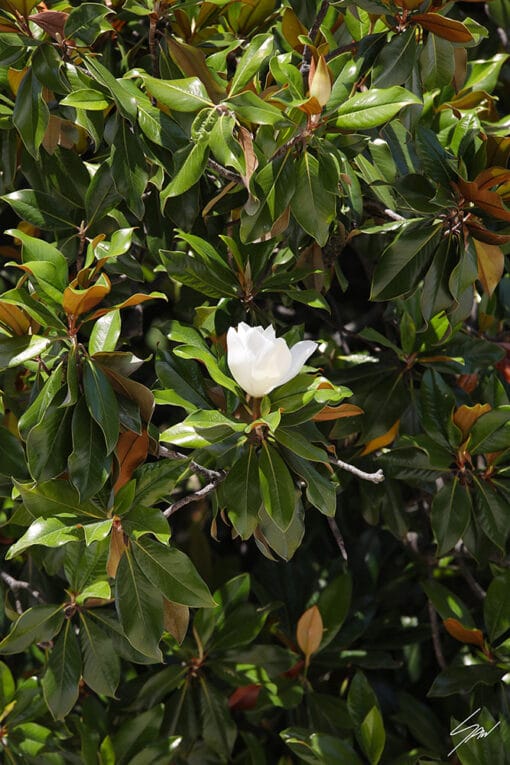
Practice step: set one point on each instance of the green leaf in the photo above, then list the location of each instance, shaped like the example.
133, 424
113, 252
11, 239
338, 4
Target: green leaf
404, 261
219, 729
492, 512
88, 464
210, 363
437, 62
160, 128
185, 95
189, 172
450, 514
51, 212
320, 491
101, 196
491, 432
313, 206
102, 403
172, 573
334, 603
129, 168
48, 532
371, 735
242, 494
462, 680
61, 680
86, 22
319, 748
251, 62
86, 98
140, 607
496, 606
52, 498
437, 405
36, 625
96, 532
276, 486
12, 456
275, 184
183, 382
373, 108
141, 520
224, 146
105, 333
361, 699
15, 351
394, 65
49, 444
31, 114
447, 604
120, 91
101, 665
300, 444
252, 108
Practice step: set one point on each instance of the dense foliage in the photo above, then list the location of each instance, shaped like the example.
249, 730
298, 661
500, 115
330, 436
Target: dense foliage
192, 574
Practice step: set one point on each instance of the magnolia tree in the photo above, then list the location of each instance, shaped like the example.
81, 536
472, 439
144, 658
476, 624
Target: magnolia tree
255, 378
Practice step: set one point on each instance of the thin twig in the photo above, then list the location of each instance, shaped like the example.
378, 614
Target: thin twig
377, 477
338, 537
312, 34
469, 579
342, 49
210, 487
16, 585
436, 641
171, 454
229, 175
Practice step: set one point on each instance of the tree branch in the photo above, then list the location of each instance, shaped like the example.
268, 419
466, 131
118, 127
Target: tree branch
377, 477
436, 641
171, 454
338, 537
210, 487
16, 585
229, 175
312, 34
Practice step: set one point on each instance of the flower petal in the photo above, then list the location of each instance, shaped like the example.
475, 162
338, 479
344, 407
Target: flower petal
299, 353
239, 359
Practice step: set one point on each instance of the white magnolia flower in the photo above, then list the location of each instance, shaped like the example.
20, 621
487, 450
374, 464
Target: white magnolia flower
260, 361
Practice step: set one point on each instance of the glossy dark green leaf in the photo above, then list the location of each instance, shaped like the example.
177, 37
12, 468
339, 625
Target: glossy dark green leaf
102, 196
140, 607
461, 680
275, 184
450, 514
491, 432
447, 603
360, 699
160, 128
334, 604
496, 606
319, 748
36, 625
31, 114
101, 666
48, 532
184, 95
190, 171
49, 212
124, 100
437, 404
49, 444
102, 403
492, 512
172, 573
88, 463
276, 486
437, 62
251, 108
313, 206
242, 494
395, 63
373, 108
60, 683
403, 262
129, 168
52, 498
320, 490
12, 456
86, 22
219, 729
